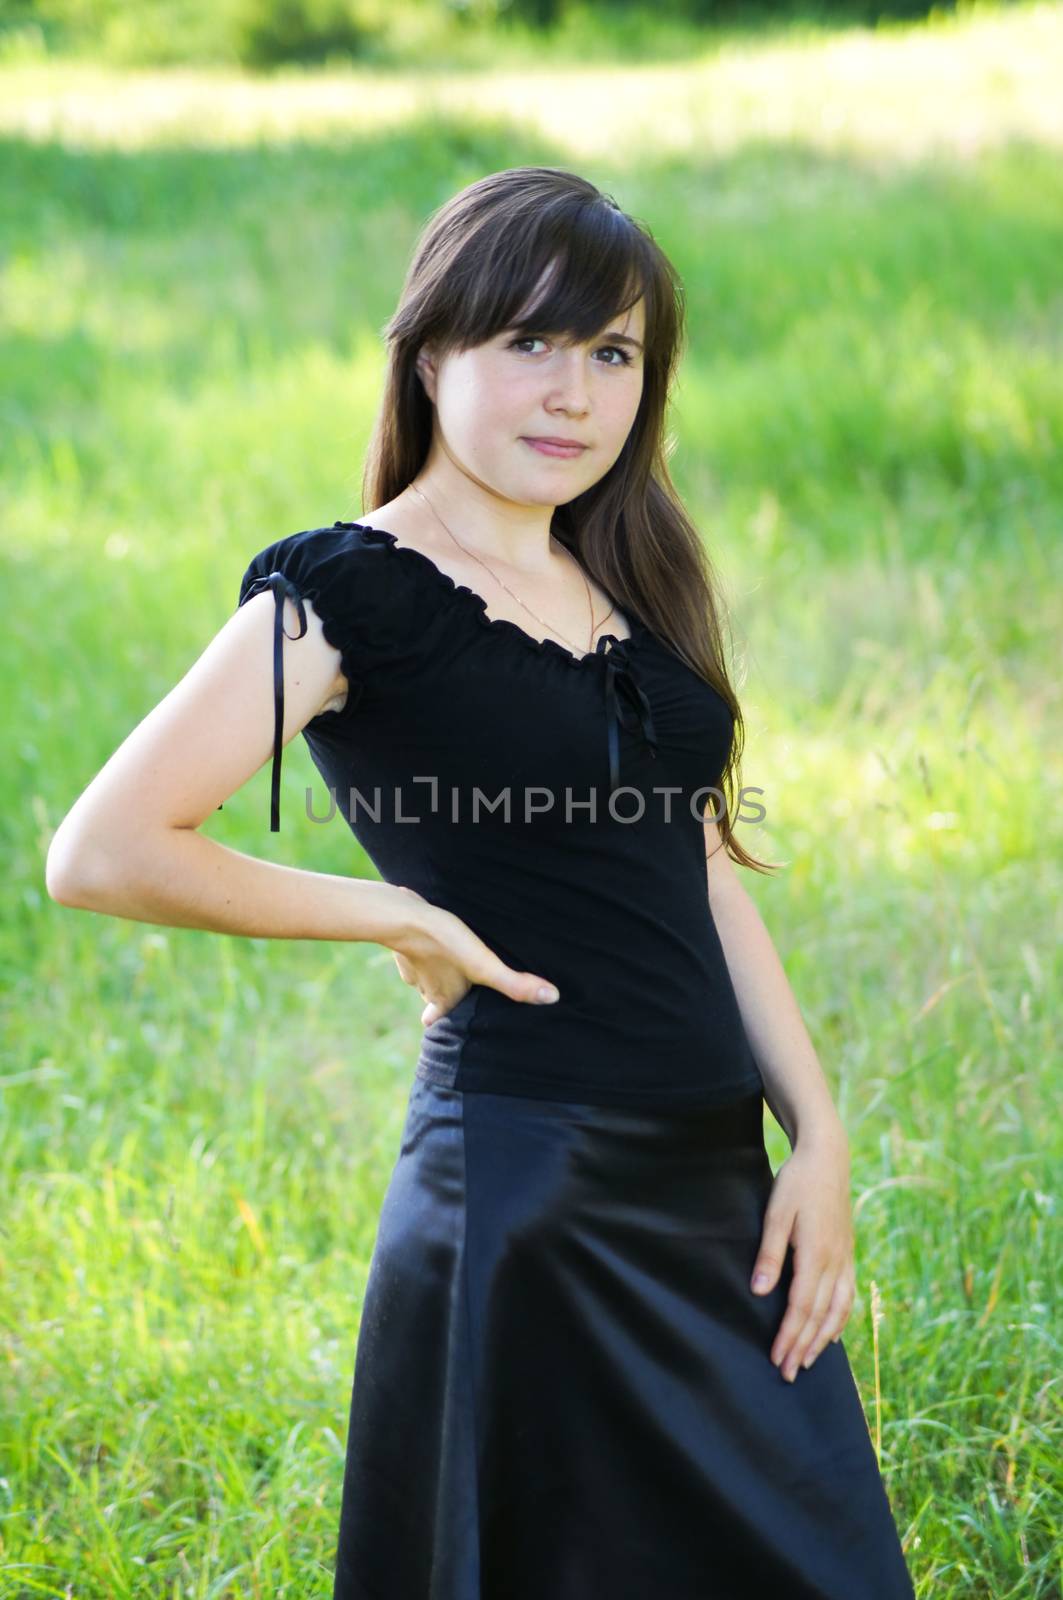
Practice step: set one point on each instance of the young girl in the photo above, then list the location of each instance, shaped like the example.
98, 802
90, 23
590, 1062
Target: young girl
600, 1350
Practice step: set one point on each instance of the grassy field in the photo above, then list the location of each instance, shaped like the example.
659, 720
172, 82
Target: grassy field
196, 1129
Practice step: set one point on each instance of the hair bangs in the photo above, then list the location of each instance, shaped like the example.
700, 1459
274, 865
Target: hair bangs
569, 274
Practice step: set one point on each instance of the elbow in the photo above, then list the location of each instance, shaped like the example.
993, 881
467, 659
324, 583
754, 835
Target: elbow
75, 873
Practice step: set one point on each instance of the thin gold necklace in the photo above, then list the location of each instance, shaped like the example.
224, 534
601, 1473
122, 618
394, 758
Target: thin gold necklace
590, 603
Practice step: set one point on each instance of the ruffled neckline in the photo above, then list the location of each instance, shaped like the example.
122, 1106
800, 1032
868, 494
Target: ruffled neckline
477, 606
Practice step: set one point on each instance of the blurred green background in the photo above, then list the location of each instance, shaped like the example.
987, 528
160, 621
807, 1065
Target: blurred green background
198, 257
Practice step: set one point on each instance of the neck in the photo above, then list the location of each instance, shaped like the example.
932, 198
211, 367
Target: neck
509, 535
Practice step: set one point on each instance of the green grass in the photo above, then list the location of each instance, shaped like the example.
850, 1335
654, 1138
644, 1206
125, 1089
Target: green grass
197, 1129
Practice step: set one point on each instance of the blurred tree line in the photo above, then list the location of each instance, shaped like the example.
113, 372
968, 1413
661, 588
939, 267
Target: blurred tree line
264, 33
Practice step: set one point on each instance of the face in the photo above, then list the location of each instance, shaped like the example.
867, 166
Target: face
492, 401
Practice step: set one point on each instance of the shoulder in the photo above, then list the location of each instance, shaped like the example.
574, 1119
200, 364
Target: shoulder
321, 560
359, 595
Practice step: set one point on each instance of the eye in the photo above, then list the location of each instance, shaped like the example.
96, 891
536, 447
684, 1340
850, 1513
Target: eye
533, 338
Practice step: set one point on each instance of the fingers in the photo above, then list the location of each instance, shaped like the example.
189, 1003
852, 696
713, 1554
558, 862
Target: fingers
841, 1304
775, 1237
810, 1295
434, 1009
820, 1297
407, 971
539, 991
518, 985
823, 1284
525, 986
448, 958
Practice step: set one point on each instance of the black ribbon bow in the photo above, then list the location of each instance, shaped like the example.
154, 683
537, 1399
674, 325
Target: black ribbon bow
622, 686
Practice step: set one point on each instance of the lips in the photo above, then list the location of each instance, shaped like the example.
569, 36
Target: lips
551, 447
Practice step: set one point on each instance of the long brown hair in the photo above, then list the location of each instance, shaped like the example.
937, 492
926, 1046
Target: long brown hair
478, 260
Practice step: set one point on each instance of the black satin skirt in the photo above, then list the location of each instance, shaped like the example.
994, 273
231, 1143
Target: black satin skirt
562, 1384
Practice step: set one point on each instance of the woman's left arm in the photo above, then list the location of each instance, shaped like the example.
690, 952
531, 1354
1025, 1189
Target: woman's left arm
809, 1207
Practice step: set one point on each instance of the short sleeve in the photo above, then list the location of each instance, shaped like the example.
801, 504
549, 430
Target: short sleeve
314, 565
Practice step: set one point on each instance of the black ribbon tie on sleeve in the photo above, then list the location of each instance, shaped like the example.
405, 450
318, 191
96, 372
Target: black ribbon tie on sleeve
281, 586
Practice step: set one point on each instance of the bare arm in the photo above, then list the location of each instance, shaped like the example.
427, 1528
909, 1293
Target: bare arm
808, 1212
794, 1084
129, 846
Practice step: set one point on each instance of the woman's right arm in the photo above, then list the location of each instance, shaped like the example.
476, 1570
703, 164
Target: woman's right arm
129, 846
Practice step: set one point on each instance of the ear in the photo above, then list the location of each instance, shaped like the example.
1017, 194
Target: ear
426, 367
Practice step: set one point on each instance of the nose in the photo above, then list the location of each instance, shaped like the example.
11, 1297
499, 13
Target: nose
570, 380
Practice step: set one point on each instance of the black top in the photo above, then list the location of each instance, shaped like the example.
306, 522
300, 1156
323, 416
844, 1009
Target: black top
552, 801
